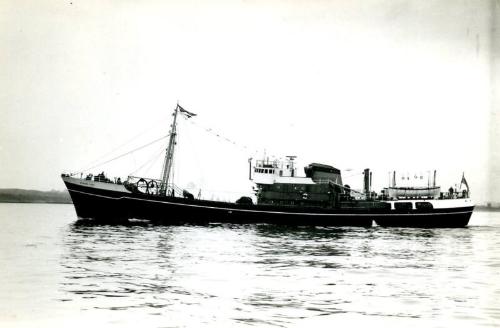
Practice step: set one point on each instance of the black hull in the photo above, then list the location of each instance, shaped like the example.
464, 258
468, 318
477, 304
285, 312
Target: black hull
112, 206
117, 206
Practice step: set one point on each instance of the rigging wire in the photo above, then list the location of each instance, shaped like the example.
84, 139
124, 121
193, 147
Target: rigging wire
162, 150
198, 165
222, 137
122, 155
150, 161
194, 149
247, 148
140, 134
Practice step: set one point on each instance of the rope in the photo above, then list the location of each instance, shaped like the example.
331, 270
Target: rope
122, 155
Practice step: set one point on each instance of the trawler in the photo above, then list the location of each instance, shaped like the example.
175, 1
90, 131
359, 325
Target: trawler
283, 196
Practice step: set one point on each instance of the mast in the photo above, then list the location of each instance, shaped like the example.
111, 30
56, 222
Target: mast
169, 155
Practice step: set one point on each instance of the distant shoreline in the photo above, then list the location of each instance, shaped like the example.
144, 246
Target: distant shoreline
487, 208
34, 196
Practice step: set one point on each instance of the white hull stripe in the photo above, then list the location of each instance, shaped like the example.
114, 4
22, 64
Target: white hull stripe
270, 212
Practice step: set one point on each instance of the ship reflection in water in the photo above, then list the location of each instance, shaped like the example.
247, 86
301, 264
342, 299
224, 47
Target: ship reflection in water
266, 275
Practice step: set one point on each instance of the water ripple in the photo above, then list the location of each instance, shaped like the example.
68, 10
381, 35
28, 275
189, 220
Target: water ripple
258, 275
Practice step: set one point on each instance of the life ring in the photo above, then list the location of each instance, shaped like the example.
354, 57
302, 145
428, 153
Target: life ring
152, 185
141, 184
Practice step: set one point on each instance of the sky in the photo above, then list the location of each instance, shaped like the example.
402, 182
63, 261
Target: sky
388, 85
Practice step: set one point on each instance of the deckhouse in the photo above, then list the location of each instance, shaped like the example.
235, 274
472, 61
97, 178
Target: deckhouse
278, 182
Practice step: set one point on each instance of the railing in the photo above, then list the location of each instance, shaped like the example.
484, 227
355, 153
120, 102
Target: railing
175, 189
454, 195
144, 185
153, 186
101, 177
267, 164
134, 179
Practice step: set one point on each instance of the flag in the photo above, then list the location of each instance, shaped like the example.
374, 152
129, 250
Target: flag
185, 112
464, 182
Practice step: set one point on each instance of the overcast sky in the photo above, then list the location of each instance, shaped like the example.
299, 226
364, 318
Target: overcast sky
403, 85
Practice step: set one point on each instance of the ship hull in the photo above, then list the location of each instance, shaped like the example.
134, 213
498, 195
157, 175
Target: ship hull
93, 202
107, 202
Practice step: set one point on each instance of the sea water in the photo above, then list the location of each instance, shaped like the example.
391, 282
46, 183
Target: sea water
55, 271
